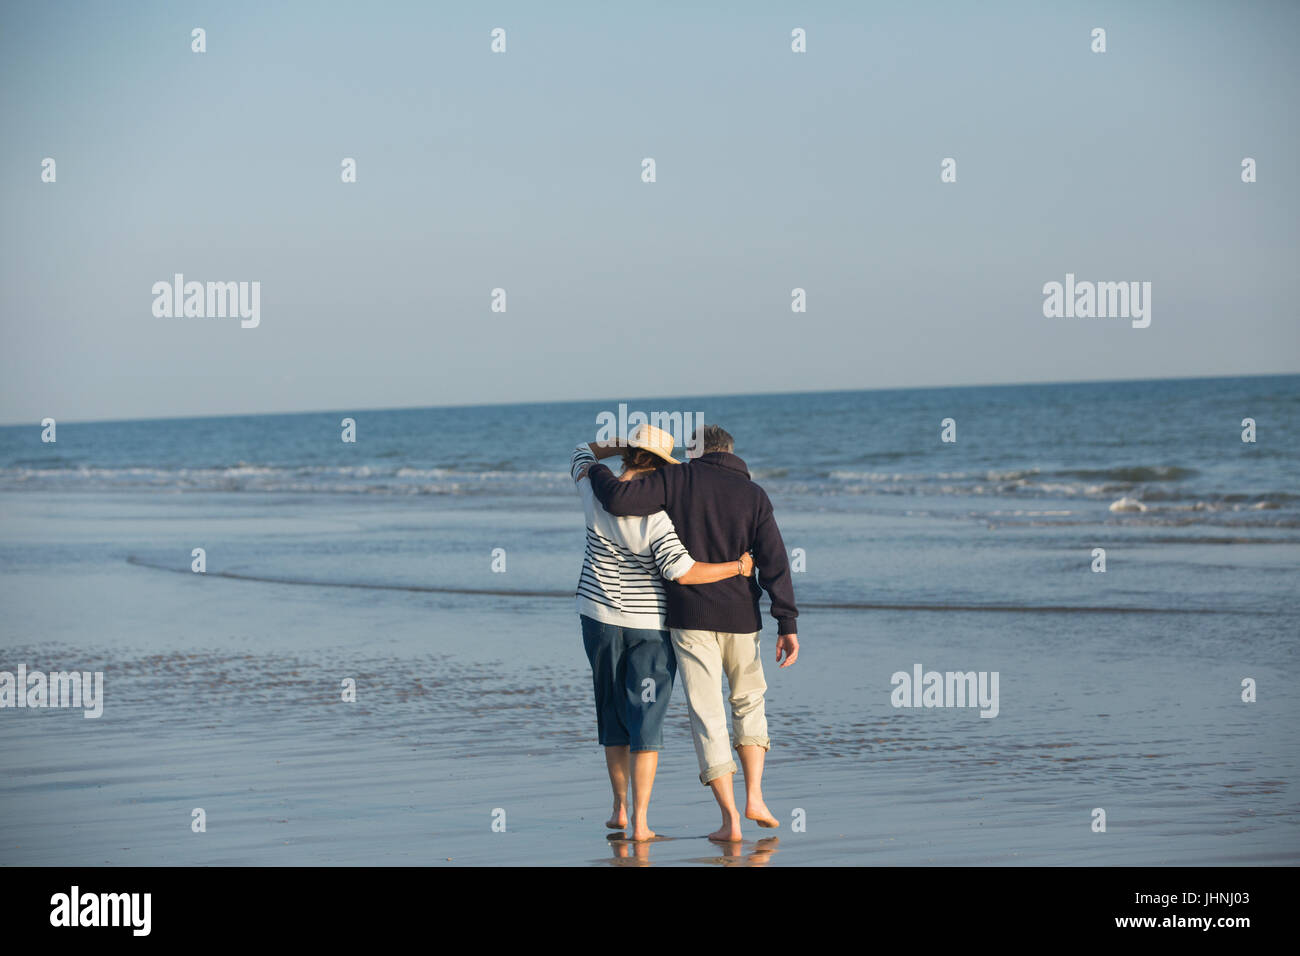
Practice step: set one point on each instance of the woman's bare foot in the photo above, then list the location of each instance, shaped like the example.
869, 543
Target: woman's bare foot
642, 833
757, 811
618, 819
729, 832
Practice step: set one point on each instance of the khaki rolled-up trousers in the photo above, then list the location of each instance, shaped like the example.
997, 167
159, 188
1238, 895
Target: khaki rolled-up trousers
703, 657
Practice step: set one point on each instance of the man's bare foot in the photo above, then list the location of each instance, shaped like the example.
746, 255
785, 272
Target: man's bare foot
757, 811
618, 819
642, 833
729, 832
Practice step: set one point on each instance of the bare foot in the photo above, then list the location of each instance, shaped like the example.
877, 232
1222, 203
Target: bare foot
729, 832
642, 833
618, 819
757, 811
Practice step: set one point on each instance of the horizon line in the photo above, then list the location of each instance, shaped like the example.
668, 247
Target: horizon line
577, 401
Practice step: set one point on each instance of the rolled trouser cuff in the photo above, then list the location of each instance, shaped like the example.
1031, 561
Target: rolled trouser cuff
713, 773
763, 742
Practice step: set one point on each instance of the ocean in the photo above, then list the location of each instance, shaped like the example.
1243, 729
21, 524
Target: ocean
432, 563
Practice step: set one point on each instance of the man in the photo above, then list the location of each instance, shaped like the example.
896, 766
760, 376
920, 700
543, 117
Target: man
719, 512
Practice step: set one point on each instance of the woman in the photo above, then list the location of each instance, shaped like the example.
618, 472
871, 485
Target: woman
622, 608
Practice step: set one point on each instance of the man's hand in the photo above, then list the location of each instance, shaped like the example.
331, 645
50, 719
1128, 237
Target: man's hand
789, 643
746, 565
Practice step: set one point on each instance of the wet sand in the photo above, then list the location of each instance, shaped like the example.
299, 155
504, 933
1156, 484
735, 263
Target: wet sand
224, 694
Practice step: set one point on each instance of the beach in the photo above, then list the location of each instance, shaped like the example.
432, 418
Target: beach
224, 689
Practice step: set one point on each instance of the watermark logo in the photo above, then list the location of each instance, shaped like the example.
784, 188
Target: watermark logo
208, 300
102, 909
949, 689
36, 689
685, 427
1098, 300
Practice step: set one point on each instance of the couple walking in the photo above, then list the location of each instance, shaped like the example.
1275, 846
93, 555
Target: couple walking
668, 588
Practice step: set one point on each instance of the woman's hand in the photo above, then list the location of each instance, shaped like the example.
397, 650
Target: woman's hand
703, 573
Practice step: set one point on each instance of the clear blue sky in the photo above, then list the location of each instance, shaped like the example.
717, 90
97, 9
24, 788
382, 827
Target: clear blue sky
522, 170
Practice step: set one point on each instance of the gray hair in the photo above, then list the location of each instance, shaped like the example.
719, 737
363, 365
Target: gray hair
715, 438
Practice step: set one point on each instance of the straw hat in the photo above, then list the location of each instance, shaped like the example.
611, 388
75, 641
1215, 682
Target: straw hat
654, 440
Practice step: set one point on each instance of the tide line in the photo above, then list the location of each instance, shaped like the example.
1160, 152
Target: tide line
811, 605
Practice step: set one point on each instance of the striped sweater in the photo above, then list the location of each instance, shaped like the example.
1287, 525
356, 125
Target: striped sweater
625, 560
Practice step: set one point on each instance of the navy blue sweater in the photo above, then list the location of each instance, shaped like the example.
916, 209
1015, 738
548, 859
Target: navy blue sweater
719, 514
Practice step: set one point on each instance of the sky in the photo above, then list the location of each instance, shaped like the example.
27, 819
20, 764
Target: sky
522, 171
